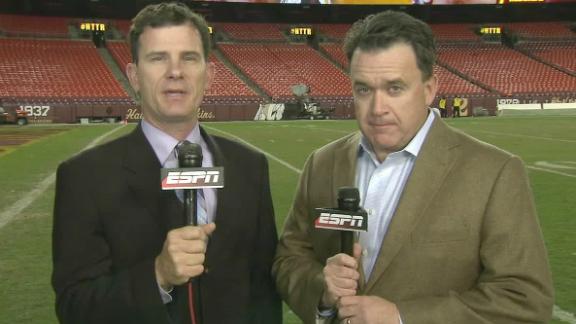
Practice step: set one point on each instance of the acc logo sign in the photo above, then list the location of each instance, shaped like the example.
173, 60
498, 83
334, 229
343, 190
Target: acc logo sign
192, 178
336, 219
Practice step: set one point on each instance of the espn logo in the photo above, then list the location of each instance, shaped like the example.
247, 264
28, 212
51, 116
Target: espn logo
336, 219
192, 178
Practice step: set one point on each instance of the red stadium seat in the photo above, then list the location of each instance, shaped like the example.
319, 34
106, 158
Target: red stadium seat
252, 31
561, 54
280, 66
55, 69
541, 30
16, 25
506, 70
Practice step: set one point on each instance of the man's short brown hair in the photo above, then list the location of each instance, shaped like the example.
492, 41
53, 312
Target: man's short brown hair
382, 30
167, 14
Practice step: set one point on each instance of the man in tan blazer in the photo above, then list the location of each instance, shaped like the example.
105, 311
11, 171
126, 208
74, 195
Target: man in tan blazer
453, 234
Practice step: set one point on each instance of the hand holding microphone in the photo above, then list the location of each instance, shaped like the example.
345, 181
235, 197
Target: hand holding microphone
341, 273
184, 252
184, 249
183, 255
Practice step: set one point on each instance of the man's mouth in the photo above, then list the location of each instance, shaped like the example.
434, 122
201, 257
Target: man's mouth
381, 124
175, 93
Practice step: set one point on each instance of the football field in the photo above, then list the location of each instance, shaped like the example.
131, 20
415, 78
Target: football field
29, 157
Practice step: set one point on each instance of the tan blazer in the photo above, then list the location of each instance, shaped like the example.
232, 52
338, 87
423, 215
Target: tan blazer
464, 245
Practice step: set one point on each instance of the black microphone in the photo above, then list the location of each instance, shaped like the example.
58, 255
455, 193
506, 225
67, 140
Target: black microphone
349, 217
190, 156
348, 200
190, 176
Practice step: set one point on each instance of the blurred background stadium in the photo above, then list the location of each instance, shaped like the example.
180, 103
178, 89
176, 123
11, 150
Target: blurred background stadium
62, 64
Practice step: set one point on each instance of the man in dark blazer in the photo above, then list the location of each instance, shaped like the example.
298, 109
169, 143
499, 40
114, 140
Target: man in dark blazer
122, 251
427, 257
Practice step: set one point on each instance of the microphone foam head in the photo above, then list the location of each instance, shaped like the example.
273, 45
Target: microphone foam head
348, 198
189, 155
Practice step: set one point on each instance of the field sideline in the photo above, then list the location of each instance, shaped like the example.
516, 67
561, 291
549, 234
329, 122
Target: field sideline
546, 144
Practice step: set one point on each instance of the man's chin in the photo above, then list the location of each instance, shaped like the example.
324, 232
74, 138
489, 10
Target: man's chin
179, 119
384, 141
179, 114
176, 118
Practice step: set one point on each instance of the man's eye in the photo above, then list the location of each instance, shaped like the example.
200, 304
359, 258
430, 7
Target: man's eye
395, 89
191, 58
361, 90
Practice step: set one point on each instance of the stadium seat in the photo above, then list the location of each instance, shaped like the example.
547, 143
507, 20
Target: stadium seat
55, 69
506, 70
34, 26
252, 31
280, 66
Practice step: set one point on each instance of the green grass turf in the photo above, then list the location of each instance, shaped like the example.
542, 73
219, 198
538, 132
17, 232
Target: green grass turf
25, 256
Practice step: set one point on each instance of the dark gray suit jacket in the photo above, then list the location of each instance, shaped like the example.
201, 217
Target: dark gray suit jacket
110, 221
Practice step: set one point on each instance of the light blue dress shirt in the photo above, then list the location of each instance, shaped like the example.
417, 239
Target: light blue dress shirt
381, 185
164, 144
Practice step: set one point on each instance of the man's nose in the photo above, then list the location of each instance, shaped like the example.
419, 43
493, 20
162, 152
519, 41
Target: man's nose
175, 69
380, 103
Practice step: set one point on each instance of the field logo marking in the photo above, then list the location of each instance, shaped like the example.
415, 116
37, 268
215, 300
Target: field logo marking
563, 315
16, 208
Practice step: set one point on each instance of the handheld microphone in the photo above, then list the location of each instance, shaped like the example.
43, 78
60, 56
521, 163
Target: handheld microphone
348, 218
190, 176
190, 156
348, 200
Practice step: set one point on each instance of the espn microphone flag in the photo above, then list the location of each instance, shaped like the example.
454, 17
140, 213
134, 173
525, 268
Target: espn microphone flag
336, 219
192, 178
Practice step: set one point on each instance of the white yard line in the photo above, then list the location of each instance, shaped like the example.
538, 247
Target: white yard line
339, 131
551, 171
273, 157
523, 136
16, 208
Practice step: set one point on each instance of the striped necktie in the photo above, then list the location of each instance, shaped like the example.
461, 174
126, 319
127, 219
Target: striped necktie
172, 162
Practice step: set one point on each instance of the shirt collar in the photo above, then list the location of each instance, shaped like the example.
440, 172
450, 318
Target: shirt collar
413, 147
163, 144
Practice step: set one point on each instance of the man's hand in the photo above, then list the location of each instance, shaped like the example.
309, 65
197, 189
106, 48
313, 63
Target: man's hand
341, 277
367, 310
182, 255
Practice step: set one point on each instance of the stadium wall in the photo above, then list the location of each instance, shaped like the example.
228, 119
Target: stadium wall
42, 112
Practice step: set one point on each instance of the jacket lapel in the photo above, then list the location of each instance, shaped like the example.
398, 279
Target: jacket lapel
142, 170
345, 163
345, 160
218, 161
431, 167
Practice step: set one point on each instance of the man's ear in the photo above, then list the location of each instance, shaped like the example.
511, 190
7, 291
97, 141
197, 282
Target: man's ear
430, 88
132, 73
